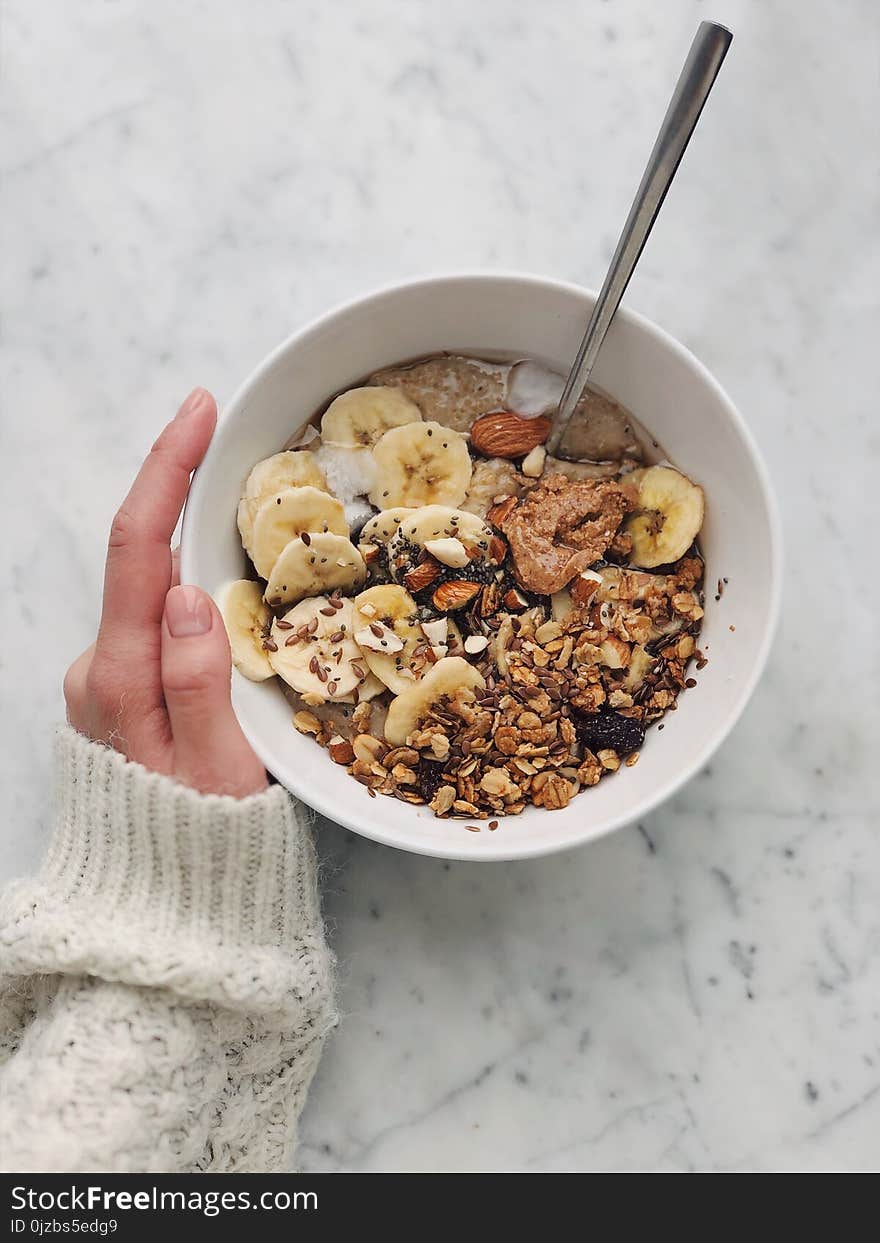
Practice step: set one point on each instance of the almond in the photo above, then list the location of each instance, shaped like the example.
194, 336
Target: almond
341, 751
423, 575
370, 553
501, 511
508, 435
497, 549
490, 601
454, 595
513, 600
581, 589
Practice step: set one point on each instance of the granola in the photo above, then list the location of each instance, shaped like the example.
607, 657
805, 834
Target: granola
501, 630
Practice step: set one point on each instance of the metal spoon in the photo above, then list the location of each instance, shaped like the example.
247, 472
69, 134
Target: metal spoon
691, 92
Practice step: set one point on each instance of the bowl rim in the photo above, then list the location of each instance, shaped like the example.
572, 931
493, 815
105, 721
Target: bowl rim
507, 848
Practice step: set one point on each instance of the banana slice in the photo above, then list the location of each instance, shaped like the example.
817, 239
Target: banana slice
363, 415
436, 522
406, 710
285, 516
291, 469
398, 653
316, 651
380, 528
421, 464
371, 688
304, 569
671, 511
247, 619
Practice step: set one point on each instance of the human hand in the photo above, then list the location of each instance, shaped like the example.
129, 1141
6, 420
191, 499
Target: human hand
155, 684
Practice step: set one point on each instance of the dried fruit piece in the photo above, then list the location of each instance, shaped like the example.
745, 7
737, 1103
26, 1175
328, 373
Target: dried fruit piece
609, 731
508, 435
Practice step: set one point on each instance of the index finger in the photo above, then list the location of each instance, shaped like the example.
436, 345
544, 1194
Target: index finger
138, 572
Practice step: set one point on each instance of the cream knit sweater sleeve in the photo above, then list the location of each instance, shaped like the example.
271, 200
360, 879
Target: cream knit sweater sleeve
166, 987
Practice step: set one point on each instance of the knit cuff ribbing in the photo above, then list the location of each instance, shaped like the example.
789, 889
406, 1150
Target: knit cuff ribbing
150, 882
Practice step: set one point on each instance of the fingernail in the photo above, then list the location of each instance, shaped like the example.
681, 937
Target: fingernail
194, 402
187, 612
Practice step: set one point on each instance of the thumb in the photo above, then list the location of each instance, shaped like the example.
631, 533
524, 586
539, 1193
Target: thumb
211, 753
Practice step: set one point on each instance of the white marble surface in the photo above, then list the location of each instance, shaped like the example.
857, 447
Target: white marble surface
183, 186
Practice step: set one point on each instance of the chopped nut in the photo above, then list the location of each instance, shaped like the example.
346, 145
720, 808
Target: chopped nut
555, 793
582, 589
533, 464
442, 800
422, 575
515, 600
490, 600
565, 653
588, 697
501, 509
497, 781
507, 739
454, 594
401, 755
548, 631
685, 647
614, 653
590, 770
436, 631
367, 748
340, 750
497, 549
440, 746
686, 604
307, 722
370, 553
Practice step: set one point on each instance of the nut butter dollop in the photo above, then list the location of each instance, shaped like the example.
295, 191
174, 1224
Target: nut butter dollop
563, 526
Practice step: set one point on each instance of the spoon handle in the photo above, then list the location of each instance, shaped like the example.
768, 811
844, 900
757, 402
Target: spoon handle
691, 92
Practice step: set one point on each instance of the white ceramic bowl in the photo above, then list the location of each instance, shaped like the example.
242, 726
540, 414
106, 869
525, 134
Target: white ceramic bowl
654, 377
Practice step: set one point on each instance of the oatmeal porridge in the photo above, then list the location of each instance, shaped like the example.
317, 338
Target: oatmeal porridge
458, 618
